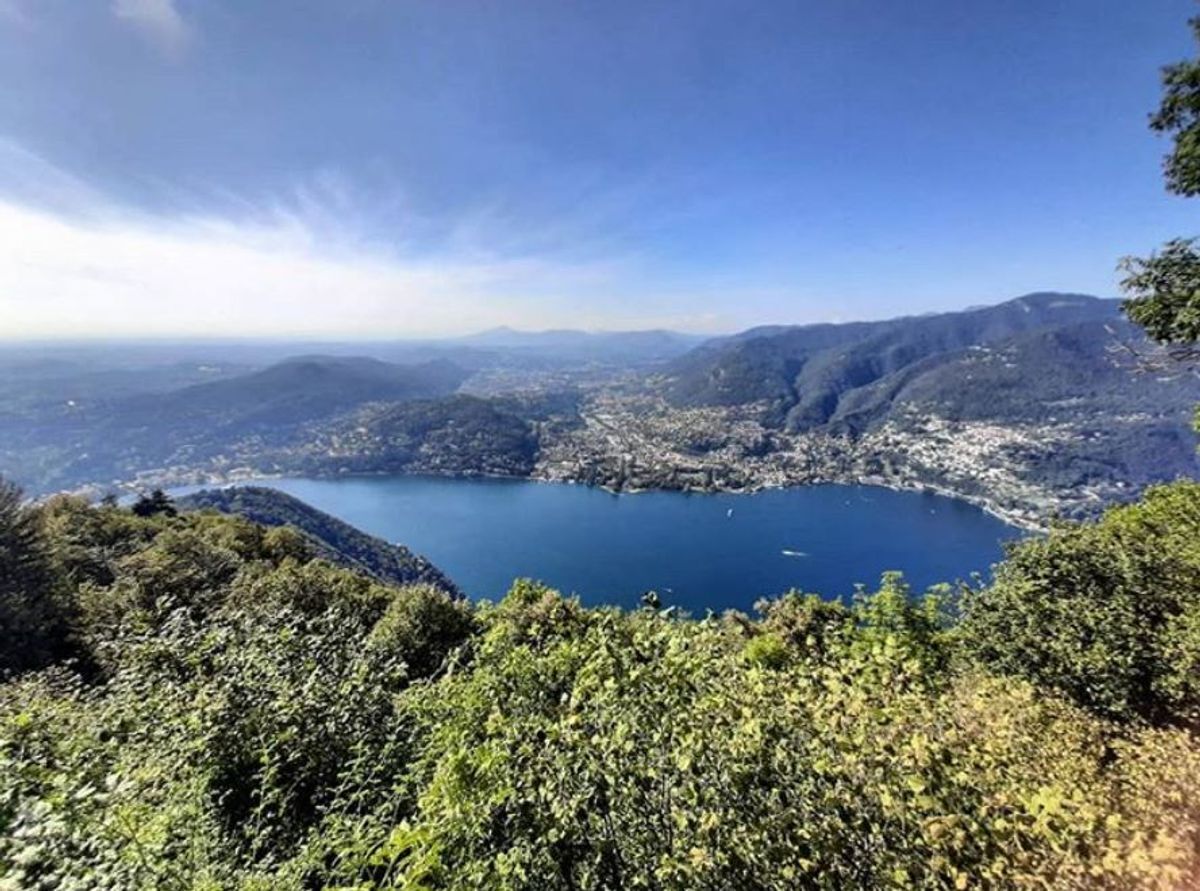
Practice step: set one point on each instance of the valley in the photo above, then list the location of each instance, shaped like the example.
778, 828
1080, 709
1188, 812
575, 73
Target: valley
1030, 409
643, 444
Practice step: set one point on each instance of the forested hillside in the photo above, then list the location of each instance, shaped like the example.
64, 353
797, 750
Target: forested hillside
60, 444
1020, 361
330, 538
1036, 407
194, 701
458, 435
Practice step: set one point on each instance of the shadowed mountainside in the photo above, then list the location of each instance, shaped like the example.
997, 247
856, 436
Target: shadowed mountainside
80, 440
806, 373
330, 538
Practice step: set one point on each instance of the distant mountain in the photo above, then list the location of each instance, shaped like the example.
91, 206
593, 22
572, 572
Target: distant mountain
457, 435
1041, 390
1129, 427
302, 389
598, 346
806, 373
1027, 406
103, 439
331, 539
141, 361
1059, 371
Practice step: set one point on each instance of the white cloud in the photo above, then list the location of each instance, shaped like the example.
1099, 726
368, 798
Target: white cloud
159, 21
63, 278
74, 263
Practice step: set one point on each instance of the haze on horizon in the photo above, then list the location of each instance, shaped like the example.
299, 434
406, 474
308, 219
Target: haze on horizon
369, 169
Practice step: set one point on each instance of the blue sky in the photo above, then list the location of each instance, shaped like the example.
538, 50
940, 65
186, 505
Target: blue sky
380, 167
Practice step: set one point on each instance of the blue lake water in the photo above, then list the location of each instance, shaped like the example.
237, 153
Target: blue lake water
698, 550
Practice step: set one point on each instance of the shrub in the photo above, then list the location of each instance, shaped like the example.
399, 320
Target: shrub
34, 614
264, 720
1108, 613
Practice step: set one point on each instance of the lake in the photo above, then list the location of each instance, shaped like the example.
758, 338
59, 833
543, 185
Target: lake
698, 551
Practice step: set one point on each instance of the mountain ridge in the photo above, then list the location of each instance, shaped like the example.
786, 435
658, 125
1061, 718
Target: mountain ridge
1026, 407
804, 371
331, 539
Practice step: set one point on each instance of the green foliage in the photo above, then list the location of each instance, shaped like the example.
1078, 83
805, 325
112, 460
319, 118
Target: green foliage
639, 752
1107, 613
1164, 292
1164, 289
323, 535
157, 502
767, 651
423, 628
257, 718
1179, 116
807, 622
34, 621
245, 693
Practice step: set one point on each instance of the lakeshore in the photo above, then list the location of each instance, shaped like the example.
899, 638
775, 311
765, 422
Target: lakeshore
698, 551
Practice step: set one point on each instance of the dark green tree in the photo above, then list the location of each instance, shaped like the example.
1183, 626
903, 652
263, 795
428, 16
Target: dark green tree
1163, 290
157, 502
1106, 613
33, 624
1178, 115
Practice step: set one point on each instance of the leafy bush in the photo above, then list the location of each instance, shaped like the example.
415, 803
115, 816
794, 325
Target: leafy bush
1107, 613
34, 617
256, 718
423, 628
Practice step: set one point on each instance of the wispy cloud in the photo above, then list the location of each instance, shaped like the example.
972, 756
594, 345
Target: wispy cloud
27, 178
76, 264
13, 12
61, 277
158, 21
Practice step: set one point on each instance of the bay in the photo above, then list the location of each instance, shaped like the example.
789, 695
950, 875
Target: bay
698, 551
